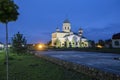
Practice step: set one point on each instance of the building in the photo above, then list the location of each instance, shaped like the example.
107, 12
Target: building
1, 46
116, 40
67, 38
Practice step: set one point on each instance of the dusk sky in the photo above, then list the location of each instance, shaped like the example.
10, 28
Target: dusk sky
99, 19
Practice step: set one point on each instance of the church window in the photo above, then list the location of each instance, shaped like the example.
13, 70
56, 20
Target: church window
55, 43
65, 44
76, 43
117, 43
70, 43
65, 27
82, 44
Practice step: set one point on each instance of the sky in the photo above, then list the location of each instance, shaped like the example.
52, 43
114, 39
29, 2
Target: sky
38, 19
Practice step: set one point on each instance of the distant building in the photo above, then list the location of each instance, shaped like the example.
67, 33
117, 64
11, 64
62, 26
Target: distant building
1, 45
116, 40
9, 45
67, 38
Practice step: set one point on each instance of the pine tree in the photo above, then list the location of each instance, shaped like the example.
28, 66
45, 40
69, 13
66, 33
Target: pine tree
19, 43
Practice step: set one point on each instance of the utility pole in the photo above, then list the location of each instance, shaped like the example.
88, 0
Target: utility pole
7, 70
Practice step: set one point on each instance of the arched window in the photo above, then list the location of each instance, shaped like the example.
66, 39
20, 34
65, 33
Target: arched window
117, 43
65, 44
76, 43
70, 44
85, 45
55, 43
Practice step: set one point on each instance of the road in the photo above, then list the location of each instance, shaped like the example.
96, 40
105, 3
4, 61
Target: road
102, 61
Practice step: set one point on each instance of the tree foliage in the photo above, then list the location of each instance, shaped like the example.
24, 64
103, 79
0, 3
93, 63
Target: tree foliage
49, 43
92, 43
108, 42
8, 11
19, 43
101, 42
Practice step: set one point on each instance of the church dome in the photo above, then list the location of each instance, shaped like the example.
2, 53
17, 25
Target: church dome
66, 21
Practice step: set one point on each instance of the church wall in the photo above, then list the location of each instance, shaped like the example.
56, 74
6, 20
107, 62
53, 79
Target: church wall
113, 43
66, 27
61, 35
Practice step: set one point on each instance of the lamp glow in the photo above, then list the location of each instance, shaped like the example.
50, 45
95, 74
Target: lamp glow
99, 46
40, 46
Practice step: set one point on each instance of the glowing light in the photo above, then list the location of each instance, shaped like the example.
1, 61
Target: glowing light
40, 46
99, 46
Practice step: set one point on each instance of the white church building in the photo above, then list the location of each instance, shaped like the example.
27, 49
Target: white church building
68, 39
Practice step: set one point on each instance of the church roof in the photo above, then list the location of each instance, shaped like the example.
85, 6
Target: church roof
74, 34
61, 32
116, 36
66, 21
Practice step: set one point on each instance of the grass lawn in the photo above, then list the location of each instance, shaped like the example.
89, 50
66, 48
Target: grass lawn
29, 67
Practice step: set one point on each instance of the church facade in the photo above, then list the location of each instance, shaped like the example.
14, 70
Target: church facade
68, 39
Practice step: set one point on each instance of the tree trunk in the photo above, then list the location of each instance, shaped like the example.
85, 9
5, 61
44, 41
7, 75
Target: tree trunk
6, 49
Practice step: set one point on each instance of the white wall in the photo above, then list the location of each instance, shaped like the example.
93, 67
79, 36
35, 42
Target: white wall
113, 43
1, 45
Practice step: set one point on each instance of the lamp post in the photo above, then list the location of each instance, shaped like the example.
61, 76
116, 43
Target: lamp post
8, 13
7, 70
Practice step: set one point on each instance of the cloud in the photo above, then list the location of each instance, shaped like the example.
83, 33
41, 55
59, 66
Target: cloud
102, 33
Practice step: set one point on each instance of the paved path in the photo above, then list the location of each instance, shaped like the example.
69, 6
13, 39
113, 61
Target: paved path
102, 61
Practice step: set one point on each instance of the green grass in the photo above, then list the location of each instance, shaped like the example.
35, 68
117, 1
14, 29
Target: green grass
29, 67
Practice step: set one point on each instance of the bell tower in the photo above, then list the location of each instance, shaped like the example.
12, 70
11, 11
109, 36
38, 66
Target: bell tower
66, 26
80, 32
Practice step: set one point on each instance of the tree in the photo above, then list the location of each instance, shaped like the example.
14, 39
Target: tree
108, 43
49, 43
19, 43
101, 42
92, 43
8, 13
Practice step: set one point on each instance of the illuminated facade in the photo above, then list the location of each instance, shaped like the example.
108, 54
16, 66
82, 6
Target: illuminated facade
67, 38
116, 40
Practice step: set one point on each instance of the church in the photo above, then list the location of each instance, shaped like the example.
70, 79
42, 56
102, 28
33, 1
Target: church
68, 39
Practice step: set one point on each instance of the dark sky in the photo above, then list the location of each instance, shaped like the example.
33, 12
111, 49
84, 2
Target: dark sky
39, 18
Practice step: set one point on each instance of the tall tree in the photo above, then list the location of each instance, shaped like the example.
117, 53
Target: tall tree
8, 13
49, 43
101, 42
108, 43
92, 43
19, 43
